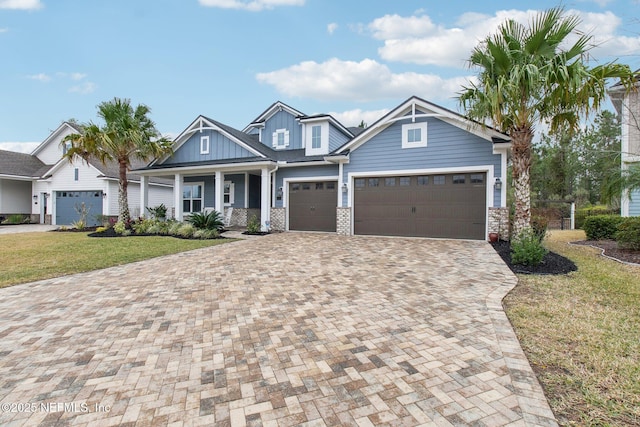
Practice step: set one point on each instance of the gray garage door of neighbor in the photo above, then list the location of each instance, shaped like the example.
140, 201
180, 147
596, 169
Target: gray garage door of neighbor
448, 206
68, 204
312, 206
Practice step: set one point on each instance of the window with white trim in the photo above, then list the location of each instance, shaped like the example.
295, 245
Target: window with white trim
280, 139
228, 195
316, 137
204, 145
192, 197
414, 135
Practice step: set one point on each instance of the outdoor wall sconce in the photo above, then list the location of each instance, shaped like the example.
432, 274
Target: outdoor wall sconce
279, 193
345, 188
498, 184
35, 199
104, 195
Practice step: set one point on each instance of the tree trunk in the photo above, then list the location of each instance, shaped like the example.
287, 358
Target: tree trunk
123, 200
521, 160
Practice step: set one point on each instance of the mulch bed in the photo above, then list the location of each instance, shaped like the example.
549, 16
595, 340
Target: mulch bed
552, 263
610, 248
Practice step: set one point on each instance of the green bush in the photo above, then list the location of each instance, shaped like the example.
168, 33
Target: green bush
207, 221
628, 234
206, 234
253, 225
120, 228
527, 248
186, 230
158, 212
583, 213
601, 226
16, 219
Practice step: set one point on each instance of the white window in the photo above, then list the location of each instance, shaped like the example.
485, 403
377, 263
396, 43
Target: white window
192, 196
229, 190
280, 139
316, 137
414, 135
204, 145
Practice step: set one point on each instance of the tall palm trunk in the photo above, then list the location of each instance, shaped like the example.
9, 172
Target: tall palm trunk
123, 200
521, 159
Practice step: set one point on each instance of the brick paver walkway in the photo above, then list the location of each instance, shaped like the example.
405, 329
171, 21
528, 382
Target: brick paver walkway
289, 329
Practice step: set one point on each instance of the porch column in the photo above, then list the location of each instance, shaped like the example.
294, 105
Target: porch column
144, 194
265, 200
177, 197
219, 197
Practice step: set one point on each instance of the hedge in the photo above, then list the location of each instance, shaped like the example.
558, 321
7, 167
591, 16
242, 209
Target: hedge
600, 227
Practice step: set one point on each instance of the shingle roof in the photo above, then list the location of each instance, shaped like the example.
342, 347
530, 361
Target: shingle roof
20, 164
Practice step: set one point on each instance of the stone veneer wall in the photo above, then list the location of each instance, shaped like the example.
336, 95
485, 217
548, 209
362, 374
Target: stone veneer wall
343, 221
499, 222
278, 219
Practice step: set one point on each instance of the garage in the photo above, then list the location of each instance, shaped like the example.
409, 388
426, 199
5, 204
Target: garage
444, 205
70, 203
312, 206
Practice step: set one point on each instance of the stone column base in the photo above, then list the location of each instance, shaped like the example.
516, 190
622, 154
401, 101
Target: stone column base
278, 219
499, 222
343, 221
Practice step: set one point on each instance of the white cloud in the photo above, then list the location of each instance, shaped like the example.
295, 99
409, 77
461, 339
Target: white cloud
331, 28
360, 81
4, 30
252, 5
41, 77
83, 88
21, 4
20, 147
417, 39
77, 76
355, 117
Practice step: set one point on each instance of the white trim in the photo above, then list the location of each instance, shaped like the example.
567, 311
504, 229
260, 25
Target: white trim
422, 127
191, 183
246, 190
340, 183
232, 196
275, 142
204, 144
324, 139
285, 190
488, 169
270, 112
51, 136
227, 167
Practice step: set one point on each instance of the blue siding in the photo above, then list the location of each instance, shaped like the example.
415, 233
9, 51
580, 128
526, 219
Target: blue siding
238, 192
283, 120
303, 172
634, 203
220, 147
210, 188
336, 138
447, 147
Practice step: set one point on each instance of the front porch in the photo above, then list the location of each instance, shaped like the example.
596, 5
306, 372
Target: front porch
239, 193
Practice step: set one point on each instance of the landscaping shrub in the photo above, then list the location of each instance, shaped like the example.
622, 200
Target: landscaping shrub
120, 228
583, 213
628, 234
600, 227
527, 248
253, 225
16, 219
539, 226
186, 230
209, 221
158, 212
206, 234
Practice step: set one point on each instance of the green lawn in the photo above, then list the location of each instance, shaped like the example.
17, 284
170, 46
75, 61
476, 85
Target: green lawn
581, 333
26, 257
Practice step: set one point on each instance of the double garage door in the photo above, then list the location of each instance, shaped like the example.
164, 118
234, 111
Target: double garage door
447, 205
70, 203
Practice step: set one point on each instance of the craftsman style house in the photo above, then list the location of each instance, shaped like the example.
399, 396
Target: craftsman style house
421, 170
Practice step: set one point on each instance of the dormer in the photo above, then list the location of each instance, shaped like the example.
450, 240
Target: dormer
277, 127
322, 134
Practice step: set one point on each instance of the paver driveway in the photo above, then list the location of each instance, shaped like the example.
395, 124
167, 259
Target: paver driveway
289, 329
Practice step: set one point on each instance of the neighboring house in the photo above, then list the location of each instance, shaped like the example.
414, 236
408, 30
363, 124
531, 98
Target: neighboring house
52, 190
627, 104
421, 170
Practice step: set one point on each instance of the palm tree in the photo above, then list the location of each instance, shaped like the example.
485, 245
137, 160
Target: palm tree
529, 75
127, 134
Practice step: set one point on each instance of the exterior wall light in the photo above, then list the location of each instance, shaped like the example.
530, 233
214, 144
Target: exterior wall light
345, 188
498, 184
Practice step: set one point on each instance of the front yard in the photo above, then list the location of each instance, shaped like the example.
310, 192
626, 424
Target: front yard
581, 334
28, 257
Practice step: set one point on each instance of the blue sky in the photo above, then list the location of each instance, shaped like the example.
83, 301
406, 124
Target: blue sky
230, 59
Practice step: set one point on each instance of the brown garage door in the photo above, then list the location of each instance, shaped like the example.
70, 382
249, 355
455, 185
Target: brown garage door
450, 206
312, 206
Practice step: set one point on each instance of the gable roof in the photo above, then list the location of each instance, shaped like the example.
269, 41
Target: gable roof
20, 165
64, 125
409, 110
269, 112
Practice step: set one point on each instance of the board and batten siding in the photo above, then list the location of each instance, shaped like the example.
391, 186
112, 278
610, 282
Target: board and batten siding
336, 138
447, 147
302, 172
220, 147
283, 120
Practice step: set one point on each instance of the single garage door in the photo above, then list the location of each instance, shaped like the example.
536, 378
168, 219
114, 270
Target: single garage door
312, 206
448, 206
70, 203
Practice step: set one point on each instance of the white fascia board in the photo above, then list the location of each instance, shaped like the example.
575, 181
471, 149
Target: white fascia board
327, 118
225, 167
278, 106
64, 161
52, 136
343, 158
18, 177
298, 164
